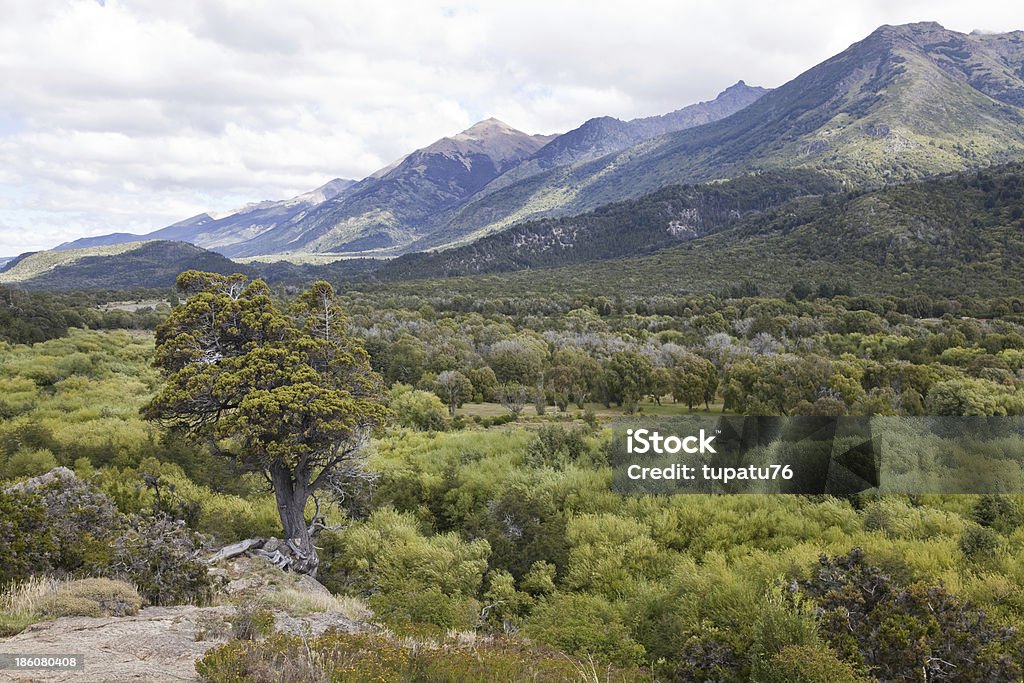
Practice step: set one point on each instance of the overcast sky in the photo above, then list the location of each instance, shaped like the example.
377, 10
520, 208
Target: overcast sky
128, 115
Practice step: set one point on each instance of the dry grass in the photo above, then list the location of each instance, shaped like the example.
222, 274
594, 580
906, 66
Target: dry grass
29, 596
42, 597
297, 602
21, 605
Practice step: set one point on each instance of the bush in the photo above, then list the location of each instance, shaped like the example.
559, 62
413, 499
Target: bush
251, 620
413, 578
27, 543
417, 409
161, 556
902, 633
27, 463
70, 606
999, 512
93, 598
808, 664
421, 604
84, 521
57, 523
584, 625
979, 543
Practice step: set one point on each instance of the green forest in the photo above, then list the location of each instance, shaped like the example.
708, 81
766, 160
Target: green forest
477, 524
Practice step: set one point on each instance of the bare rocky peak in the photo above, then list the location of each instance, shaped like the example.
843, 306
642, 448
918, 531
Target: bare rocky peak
492, 138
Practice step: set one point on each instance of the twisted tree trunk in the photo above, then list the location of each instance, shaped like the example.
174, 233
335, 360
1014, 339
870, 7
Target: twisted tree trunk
291, 494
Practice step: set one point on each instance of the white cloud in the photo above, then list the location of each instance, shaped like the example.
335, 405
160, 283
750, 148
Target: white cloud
129, 115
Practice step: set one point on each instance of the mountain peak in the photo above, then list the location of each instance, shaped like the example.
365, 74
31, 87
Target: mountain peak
917, 30
487, 128
740, 89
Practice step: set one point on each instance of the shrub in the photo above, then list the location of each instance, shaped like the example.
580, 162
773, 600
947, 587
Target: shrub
555, 446
161, 556
999, 512
27, 543
93, 598
417, 409
979, 543
422, 604
584, 625
251, 620
84, 521
808, 664
27, 463
70, 606
902, 633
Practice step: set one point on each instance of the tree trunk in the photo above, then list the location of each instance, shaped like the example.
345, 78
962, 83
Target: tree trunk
291, 495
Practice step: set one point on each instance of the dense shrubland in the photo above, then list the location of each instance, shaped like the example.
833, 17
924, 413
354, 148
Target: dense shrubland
29, 317
512, 529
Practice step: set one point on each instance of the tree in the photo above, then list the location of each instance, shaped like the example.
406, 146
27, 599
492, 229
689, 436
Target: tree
452, 387
574, 375
694, 379
661, 383
286, 392
519, 360
405, 360
632, 373
563, 381
514, 397
484, 383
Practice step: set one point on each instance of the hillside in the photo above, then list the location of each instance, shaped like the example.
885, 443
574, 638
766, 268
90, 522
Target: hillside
154, 263
955, 236
630, 228
904, 103
209, 232
391, 207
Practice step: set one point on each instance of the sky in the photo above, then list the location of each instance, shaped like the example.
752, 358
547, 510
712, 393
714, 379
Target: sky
129, 115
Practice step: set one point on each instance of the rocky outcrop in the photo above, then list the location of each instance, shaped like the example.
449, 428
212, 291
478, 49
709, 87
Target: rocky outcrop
162, 643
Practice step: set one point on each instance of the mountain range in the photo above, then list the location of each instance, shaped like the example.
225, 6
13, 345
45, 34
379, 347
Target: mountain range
408, 200
905, 104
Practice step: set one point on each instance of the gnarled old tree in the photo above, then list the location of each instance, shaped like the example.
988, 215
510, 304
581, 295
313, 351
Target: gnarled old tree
284, 391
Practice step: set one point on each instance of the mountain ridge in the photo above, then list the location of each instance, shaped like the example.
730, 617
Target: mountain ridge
208, 231
369, 214
893, 106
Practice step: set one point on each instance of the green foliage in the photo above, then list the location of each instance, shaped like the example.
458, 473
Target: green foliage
585, 625
27, 540
980, 543
413, 578
806, 664
251, 621
452, 387
628, 379
903, 632
999, 512
417, 409
290, 390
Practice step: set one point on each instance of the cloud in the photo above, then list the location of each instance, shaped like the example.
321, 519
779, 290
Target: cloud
129, 115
